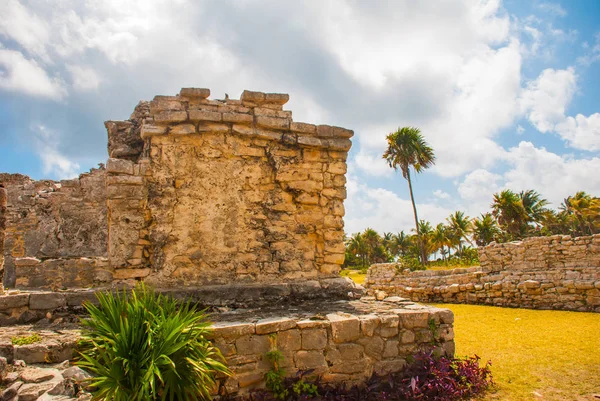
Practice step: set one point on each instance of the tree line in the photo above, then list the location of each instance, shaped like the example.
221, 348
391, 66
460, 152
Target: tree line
513, 216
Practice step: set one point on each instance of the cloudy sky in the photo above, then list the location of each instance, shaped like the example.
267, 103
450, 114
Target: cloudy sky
507, 93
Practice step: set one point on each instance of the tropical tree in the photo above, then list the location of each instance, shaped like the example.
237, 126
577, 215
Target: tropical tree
407, 148
402, 243
535, 207
508, 210
441, 239
485, 229
459, 226
356, 246
583, 213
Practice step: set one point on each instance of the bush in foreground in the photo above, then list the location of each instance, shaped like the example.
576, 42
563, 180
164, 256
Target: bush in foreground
145, 346
426, 378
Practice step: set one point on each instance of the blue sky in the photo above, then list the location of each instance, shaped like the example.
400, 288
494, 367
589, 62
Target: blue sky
507, 93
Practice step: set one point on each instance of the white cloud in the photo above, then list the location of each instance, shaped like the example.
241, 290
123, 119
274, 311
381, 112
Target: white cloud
552, 8
19, 74
592, 53
385, 211
554, 176
581, 132
476, 190
520, 129
24, 27
545, 99
438, 193
45, 143
83, 78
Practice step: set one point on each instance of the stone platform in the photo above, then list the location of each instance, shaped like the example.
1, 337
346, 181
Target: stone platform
343, 341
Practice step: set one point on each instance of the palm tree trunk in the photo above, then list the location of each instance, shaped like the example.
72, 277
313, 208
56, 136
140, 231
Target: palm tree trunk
412, 199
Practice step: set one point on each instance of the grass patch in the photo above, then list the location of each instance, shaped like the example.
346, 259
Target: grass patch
355, 275
536, 355
25, 340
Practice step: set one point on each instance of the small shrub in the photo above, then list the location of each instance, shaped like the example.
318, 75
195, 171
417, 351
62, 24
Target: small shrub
426, 378
25, 340
145, 346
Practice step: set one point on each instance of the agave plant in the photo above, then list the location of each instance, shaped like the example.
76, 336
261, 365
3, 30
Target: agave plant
144, 346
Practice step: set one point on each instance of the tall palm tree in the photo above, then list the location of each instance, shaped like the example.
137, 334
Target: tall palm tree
460, 227
485, 229
407, 148
534, 205
402, 243
372, 240
584, 212
508, 209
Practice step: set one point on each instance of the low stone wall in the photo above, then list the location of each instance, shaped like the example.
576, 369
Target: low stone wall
557, 272
57, 223
345, 345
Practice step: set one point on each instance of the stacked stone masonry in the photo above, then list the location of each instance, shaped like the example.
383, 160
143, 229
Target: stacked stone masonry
195, 191
55, 232
345, 347
213, 191
557, 272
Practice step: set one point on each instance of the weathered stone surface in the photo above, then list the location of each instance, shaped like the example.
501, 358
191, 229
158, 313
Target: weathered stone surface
47, 300
35, 375
275, 324
344, 328
539, 272
201, 93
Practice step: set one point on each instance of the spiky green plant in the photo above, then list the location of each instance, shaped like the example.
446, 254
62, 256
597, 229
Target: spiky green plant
145, 346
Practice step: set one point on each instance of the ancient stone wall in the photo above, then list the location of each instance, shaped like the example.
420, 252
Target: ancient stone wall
56, 232
215, 191
557, 272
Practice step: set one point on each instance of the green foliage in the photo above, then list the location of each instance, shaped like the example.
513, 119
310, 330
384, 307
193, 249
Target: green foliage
306, 389
410, 262
25, 340
145, 346
274, 378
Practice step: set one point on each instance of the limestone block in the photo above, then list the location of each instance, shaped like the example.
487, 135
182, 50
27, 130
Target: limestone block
232, 330
46, 300
13, 301
271, 325
339, 144
182, 129
149, 130
303, 128
119, 166
252, 344
305, 360
201, 93
289, 340
124, 274
168, 116
368, 324
238, 118
273, 122
277, 98
252, 97
325, 131
314, 339
124, 180
311, 141
340, 132
344, 327
205, 115
413, 319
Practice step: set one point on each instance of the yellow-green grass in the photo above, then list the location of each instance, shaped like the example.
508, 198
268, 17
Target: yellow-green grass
355, 275
536, 355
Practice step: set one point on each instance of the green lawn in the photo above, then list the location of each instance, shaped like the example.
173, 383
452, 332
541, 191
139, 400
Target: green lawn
536, 355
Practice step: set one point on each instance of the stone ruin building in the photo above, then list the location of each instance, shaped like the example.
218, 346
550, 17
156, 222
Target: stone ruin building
227, 202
